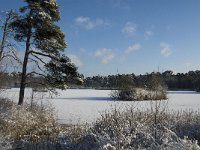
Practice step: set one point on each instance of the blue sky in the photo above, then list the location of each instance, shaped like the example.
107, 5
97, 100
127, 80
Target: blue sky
133, 36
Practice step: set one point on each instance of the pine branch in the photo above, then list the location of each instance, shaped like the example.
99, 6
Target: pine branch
33, 72
9, 55
44, 85
42, 54
39, 59
36, 62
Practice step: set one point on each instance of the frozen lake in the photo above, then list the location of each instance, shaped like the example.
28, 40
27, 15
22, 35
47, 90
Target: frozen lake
85, 105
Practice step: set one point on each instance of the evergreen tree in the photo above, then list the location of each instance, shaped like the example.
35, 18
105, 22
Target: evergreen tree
36, 27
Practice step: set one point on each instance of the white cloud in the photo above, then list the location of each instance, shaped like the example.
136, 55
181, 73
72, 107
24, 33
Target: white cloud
75, 59
133, 48
165, 49
89, 24
148, 34
105, 55
129, 29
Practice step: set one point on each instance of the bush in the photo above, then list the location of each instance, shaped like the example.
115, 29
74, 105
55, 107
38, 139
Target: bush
37, 128
152, 88
136, 130
20, 123
138, 94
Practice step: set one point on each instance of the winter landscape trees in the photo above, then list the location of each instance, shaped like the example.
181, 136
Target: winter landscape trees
34, 126
35, 26
152, 88
173, 81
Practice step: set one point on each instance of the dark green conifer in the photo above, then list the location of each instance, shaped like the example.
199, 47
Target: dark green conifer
36, 27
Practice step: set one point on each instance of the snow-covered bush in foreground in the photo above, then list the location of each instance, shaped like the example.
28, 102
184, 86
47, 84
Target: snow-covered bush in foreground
22, 123
36, 128
136, 130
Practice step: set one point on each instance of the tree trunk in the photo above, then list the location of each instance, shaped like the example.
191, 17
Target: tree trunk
25, 62
23, 76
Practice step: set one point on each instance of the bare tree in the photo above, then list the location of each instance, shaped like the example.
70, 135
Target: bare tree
6, 46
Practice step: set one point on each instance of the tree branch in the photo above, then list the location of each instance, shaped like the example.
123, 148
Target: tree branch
42, 54
36, 62
14, 57
33, 72
39, 58
44, 85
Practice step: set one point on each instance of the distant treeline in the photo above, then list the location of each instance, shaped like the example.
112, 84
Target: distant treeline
179, 81
12, 80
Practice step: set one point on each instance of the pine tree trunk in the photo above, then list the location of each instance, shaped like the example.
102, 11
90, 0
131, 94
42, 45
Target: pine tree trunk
23, 76
25, 62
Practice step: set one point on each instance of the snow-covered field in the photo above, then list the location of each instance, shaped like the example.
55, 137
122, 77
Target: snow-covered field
86, 105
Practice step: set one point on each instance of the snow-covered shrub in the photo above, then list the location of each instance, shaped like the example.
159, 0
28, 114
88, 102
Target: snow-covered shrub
136, 130
138, 94
127, 94
152, 88
5, 105
35, 127
188, 124
20, 123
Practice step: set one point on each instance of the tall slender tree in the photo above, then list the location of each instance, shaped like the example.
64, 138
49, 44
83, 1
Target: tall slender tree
36, 27
6, 46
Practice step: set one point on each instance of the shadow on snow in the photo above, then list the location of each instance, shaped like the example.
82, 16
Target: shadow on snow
86, 98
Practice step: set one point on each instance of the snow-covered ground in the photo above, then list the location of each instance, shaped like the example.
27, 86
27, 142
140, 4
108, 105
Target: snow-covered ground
85, 105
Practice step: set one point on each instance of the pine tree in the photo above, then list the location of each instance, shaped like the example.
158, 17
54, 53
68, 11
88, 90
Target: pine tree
36, 27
